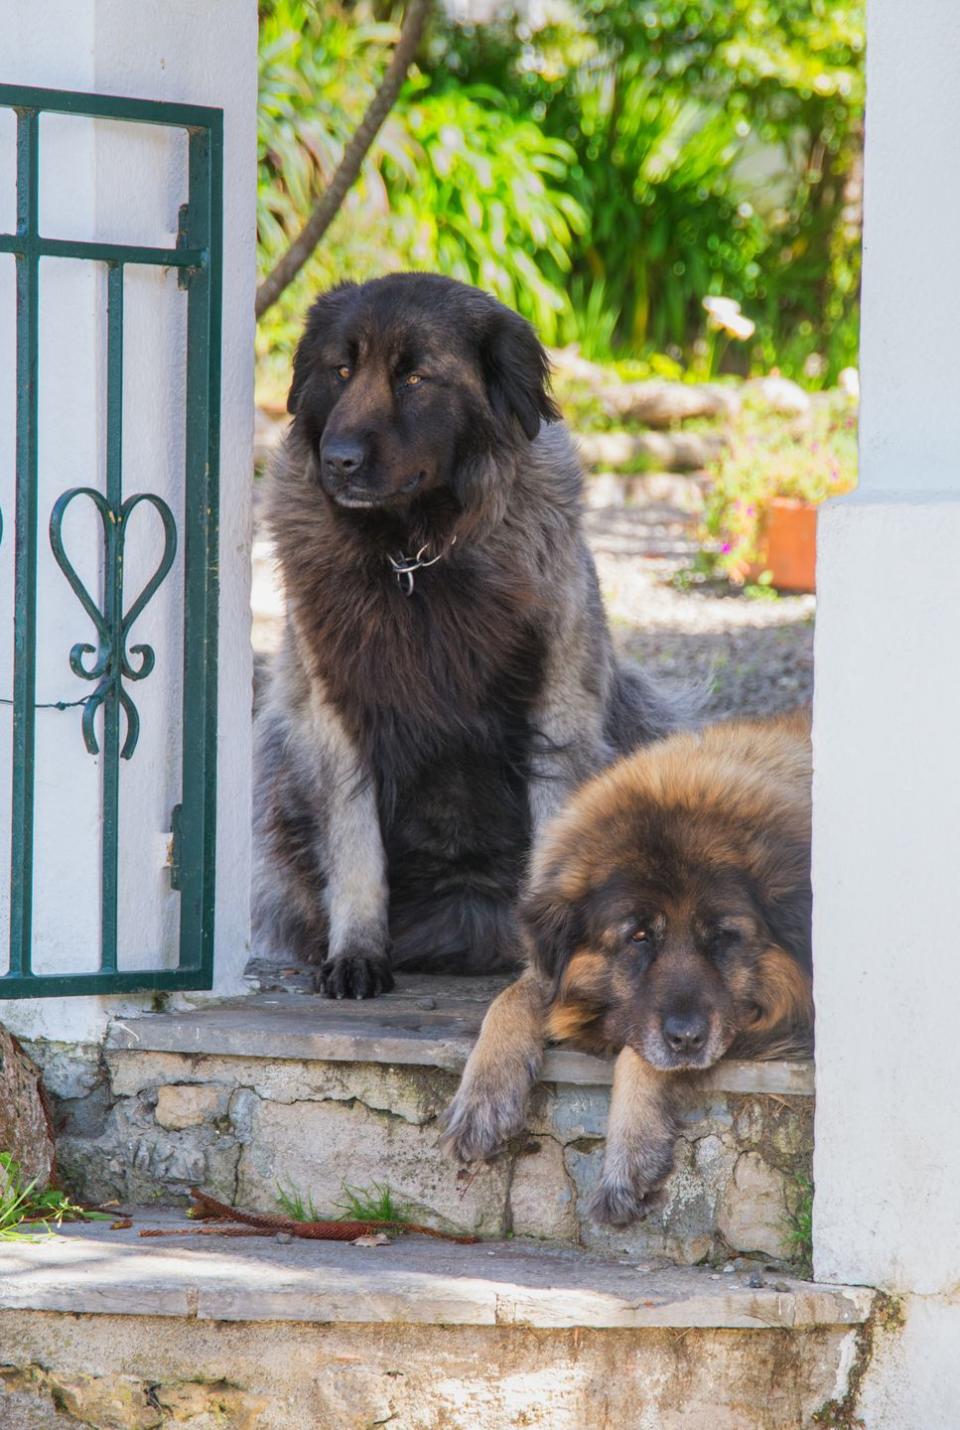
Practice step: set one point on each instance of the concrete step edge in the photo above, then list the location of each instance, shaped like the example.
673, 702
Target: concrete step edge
92, 1269
391, 1030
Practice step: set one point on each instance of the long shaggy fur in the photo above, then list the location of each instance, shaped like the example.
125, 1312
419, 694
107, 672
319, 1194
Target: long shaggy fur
667, 919
427, 734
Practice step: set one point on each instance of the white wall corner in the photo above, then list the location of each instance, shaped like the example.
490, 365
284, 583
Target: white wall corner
886, 864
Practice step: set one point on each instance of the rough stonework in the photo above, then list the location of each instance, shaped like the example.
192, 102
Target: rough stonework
34, 1398
142, 1127
25, 1130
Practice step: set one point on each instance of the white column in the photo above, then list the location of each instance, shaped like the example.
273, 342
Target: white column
124, 183
887, 746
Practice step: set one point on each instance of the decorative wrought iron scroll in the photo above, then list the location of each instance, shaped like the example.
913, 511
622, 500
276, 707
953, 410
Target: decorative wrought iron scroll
113, 663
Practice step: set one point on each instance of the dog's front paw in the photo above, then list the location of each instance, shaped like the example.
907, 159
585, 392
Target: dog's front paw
631, 1182
355, 975
617, 1202
482, 1118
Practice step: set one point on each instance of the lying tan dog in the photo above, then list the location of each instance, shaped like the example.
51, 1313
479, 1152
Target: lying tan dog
667, 920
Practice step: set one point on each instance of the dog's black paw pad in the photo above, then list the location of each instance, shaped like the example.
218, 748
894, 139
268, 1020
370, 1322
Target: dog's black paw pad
355, 975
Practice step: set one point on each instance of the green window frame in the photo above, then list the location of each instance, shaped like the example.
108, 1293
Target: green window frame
112, 665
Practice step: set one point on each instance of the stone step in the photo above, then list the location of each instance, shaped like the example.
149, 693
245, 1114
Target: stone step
286, 1090
257, 1335
662, 451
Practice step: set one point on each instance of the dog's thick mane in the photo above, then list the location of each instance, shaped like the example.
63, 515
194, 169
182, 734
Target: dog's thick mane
733, 799
426, 731
408, 673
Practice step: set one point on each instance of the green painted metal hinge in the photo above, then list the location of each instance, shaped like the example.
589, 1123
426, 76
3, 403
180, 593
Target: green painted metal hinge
175, 846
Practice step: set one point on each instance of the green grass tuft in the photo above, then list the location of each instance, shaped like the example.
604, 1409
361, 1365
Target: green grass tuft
293, 1205
356, 1204
800, 1225
375, 1204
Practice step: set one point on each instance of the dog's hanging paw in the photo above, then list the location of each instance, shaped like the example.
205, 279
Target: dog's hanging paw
479, 1123
619, 1203
355, 975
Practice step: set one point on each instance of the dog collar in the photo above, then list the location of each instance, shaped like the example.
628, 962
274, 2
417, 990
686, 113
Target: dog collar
404, 567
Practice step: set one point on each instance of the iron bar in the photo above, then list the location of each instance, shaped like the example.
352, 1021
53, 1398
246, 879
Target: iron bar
25, 561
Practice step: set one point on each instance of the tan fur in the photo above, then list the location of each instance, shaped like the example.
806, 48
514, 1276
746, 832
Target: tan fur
570, 1022
731, 776
785, 993
490, 1104
687, 816
783, 1027
574, 1010
640, 1134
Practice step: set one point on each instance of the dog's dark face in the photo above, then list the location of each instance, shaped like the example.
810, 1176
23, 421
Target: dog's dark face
401, 383
668, 929
668, 971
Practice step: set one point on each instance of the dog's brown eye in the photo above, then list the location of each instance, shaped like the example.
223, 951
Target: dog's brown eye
641, 936
343, 372
413, 379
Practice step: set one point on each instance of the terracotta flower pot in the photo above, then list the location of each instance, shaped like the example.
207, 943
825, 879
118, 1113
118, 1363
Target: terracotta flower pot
788, 545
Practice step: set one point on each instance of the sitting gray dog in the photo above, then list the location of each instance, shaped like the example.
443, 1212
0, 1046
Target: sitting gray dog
446, 676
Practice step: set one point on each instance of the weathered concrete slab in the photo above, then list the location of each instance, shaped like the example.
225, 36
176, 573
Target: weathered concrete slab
426, 1022
94, 1270
61, 1370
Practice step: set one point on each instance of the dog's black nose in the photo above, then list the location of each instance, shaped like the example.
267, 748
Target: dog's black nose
685, 1033
342, 456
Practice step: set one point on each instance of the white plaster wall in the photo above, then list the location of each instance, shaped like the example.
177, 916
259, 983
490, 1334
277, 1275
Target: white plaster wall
886, 864
910, 411
886, 873
125, 183
912, 1381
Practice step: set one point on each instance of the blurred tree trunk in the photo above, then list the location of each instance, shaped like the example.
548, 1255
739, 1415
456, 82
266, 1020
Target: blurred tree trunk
328, 205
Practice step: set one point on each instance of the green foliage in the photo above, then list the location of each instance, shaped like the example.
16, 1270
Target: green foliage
457, 181
482, 204
297, 1207
318, 73
602, 168
22, 1205
800, 1225
374, 1204
808, 458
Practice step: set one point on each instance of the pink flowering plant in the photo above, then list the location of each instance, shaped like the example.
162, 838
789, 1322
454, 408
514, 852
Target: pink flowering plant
807, 458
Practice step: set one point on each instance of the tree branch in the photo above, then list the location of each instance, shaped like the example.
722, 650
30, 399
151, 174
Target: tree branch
328, 205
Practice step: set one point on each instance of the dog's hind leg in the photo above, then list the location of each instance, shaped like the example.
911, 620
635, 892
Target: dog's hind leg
641, 1133
490, 1105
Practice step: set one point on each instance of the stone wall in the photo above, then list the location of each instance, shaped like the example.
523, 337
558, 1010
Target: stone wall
143, 1127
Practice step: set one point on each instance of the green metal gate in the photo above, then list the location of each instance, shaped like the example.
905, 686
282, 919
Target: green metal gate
112, 664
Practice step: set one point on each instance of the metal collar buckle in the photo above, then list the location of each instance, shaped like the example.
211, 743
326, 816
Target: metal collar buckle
403, 567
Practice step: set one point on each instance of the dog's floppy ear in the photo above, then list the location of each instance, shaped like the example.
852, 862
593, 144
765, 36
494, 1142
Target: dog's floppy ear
301, 371
789, 918
554, 929
781, 878
517, 370
319, 317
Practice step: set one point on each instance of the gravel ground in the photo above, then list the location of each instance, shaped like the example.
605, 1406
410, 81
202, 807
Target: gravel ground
755, 656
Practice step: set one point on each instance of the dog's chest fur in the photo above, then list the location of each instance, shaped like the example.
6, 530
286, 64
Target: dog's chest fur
435, 688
